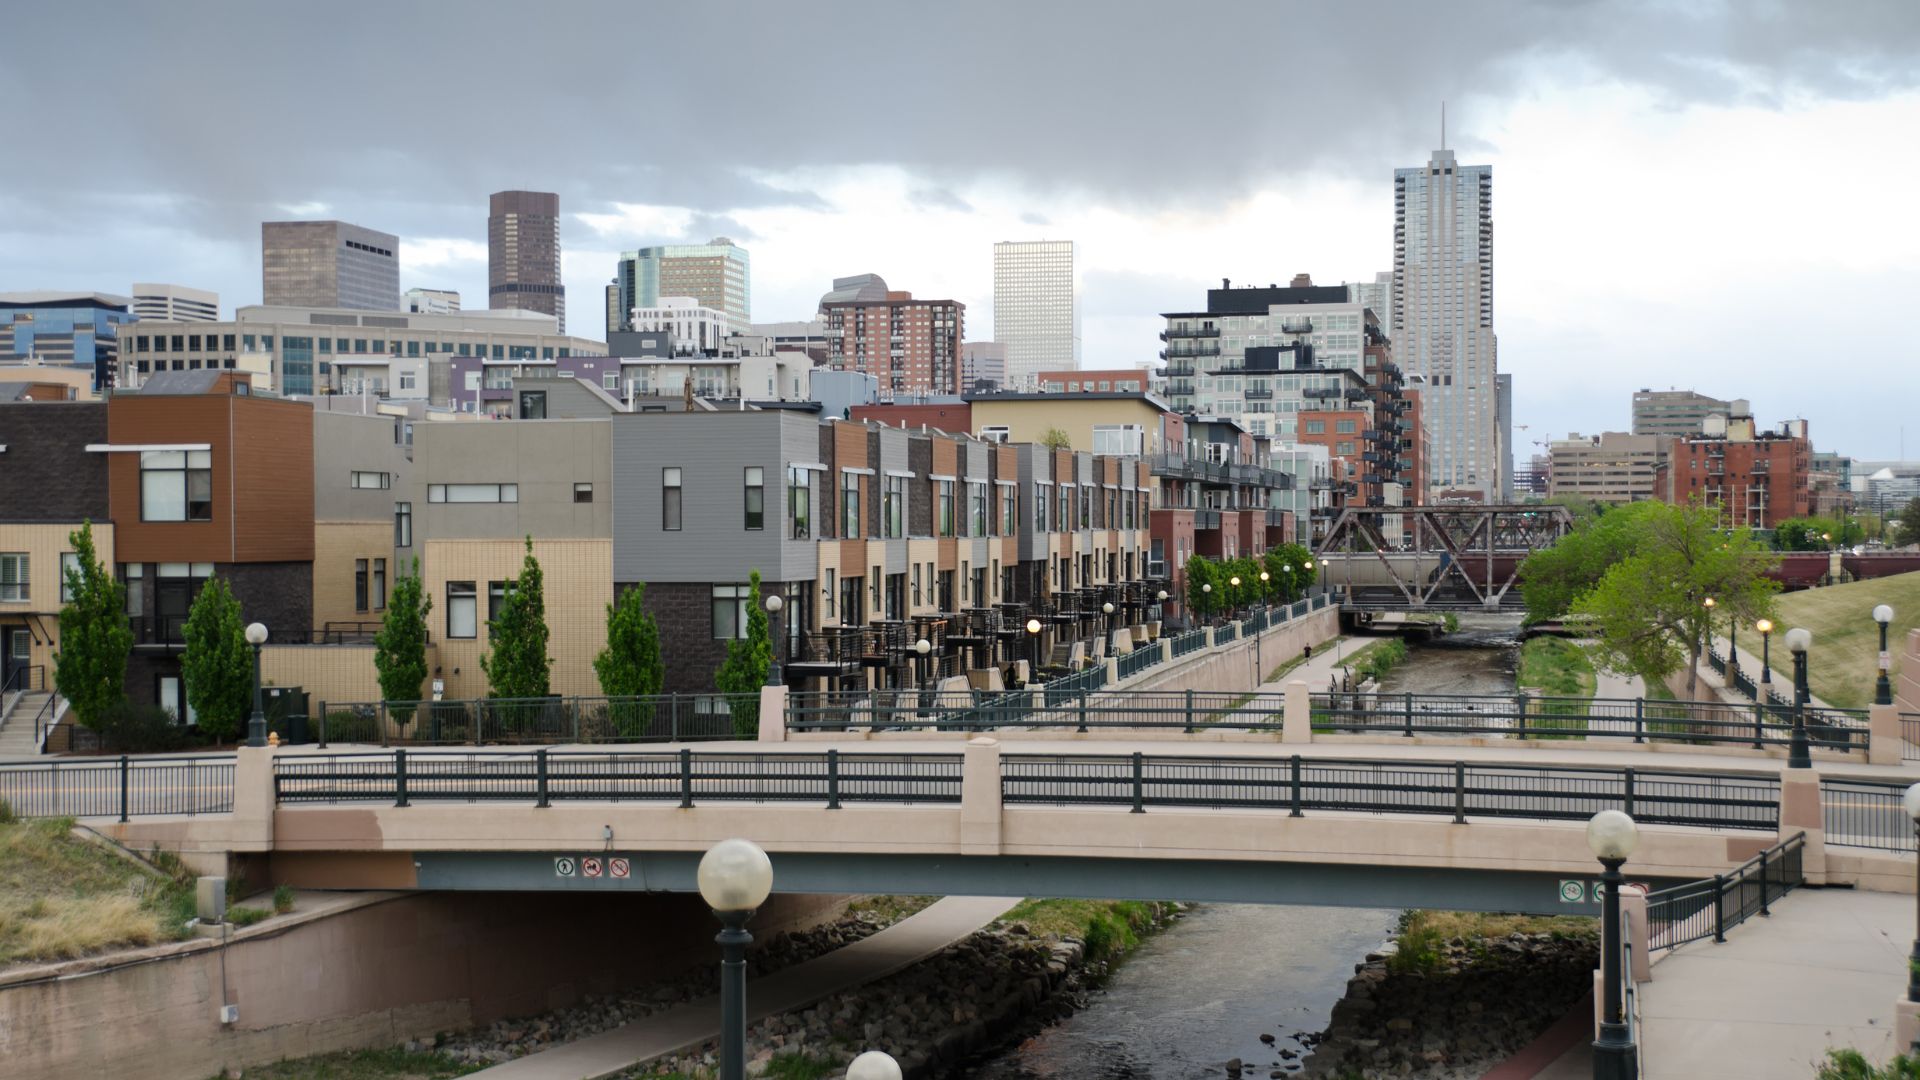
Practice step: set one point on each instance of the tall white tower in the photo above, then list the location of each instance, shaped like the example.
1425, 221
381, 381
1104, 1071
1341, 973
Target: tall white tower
1443, 315
1033, 307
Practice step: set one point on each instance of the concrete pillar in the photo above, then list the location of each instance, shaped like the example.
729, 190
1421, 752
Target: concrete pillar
1800, 811
1906, 1023
773, 714
1633, 906
980, 797
1166, 650
1209, 637
1296, 724
1883, 735
253, 801
1113, 671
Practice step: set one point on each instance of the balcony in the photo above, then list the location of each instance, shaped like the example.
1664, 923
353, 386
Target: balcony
1180, 387
1257, 395
1320, 392
1196, 348
1174, 367
1206, 519
1296, 325
1276, 516
1172, 332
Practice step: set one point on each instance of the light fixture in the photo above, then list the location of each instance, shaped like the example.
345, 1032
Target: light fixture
873, 1065
1883, 614
1612, 834
735, 875
256, 634
775, 603
1799, 640
923, 646
1765, 626
1033, 626
1163, 596
1708, 603
1107, 607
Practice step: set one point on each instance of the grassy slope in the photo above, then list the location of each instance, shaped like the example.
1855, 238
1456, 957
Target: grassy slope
63, 897
1846, 641
1556, 666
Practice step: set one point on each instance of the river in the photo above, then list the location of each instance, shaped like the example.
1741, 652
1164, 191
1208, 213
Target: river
1202, 992
1480, 657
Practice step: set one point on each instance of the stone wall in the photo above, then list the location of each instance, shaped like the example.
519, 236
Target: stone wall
1232, 666
374, 975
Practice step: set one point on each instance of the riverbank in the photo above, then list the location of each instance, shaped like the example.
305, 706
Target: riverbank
1454, 994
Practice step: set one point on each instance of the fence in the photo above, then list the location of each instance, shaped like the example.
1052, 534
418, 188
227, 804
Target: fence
119, 787
1865, 813
1707, 908
1457, 790
656, 718
1910, 736
1082, 709
1523, 716
543, 777
1190, 641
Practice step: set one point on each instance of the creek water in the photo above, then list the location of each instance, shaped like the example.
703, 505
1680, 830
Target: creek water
1481, 657
1202, 992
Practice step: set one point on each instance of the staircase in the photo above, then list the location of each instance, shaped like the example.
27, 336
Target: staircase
16, 728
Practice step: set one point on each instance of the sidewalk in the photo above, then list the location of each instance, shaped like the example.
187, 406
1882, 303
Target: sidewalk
898, 946
1822, 972
1750, 663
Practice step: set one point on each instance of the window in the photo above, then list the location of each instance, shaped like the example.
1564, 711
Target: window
799, 503
497, 593
730, 611
849, 505
583, 493
473, 493
610, 381
1009, 508
462, 610
176, 485
1040, 518
977, 506
406, 380
403, 524
1314, 427
1086, 507
69, 565
133, 576
359, 584
943, 499
1343, 427
916, 584
373, 481
13, 577
533, 404
379, 584
756, 497
893, 515
670, 499
829, 593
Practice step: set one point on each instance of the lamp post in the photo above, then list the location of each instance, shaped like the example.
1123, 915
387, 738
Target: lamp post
1799, 640
773, 605
1286, 587
1910, 802
257, 723
1883, 689
1612, 836
1160, 601
1033, 635
1266, 589
1733, 645
921, 648
1765, 626
1107, 610
1206, 599
735, 877
873, 1065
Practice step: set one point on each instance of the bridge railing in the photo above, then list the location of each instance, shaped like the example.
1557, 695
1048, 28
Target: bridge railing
543, 777
122, 787
1054, 708
557, 719
1707, 908
1909, 736
1865, 813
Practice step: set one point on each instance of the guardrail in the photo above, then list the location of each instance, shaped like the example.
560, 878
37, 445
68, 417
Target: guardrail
1910, 736
1707, 908
121, 787
655, 718
1524, 716
544, 777
984, 710
1865, 813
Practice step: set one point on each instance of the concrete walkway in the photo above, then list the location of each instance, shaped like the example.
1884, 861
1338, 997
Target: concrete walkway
898, 946
1822, 972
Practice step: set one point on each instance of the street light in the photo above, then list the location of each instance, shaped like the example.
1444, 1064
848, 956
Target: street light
773, 605
873, 1065
257, 723
1612, 836
923, 647
735, 877
1206, 599
1033, 635
1910, 802
1107, 609
1765, 626
1883, 690
1799, 640
1286, 589
1264, 587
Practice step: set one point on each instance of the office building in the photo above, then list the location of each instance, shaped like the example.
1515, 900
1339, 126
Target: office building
523, 254
65, 329
808, 336
1674, 413
911, 346
1091, 380
1755, 478
1443, 315
1503, 414
174, 303
1830, 479
1377, 297
1612, 467
718, 274
328, 264
432, 302
695, 328
1034, 313
983, 366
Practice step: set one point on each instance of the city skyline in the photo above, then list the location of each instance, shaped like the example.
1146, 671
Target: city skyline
1583, 324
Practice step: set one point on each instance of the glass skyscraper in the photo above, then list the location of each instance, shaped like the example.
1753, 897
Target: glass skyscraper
69, 329
718, 274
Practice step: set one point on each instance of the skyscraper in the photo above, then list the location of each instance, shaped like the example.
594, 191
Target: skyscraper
328, 264
523, 253
1443, 314
1503, 413
911, 346
1033, 307
174, 303
1376, 296
718, 274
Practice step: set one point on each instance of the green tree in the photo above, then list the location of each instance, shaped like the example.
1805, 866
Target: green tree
1055, 439
518, 665
741, 675
1553, 578
216, 664
630, 665
1817, 533
1201, 573
1649, 608
1905, 524
1287, 566
400, 646
90, 670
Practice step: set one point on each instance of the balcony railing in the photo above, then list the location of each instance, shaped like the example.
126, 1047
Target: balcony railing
1173, 332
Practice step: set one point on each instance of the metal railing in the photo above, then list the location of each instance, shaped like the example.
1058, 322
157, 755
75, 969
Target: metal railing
1717, 662
1458, 790
1078, 684
686, 778
655, 718
1082, 710
1910, 736
1524, 716
1708, 908
1191, 641
1140, 659
1865, 813
121, 787
24, 678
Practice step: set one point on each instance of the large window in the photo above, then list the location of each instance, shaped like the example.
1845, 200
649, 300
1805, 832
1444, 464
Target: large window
943, 502
1041, 521
176, 485
893, 514
756, 483
799, 503
473, 493
977, 508
849, 506
462, 610
730, 611
69, 568
379, 584
497, 593
670, 493
533, 404
1086, 507
14, 571
403, 524
1009, 508
359, 584
374, 481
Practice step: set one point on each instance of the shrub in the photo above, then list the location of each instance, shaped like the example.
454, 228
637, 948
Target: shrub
282, 899
246, 916
7, 816
1850, 1065
133, 728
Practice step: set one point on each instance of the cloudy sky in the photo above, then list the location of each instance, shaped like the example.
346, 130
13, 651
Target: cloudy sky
1704, 194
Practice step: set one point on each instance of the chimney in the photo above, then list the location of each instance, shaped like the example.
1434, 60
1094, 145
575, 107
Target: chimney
1226, 283
1303, 281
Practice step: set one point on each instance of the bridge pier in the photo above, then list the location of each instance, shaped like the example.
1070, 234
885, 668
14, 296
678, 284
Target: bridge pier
1297, 720
1801, 811
980, 797
773, 714
1883, 735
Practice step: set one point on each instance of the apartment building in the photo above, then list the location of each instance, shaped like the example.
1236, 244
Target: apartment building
1755, 478
911, 346
49, 485
1674, 413
1612, 467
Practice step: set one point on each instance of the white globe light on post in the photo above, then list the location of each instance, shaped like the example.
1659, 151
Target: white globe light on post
1883, 689
1611, 836
257, 723
1799, 643
773, 604
873, 1065
735, 878
1033, 650
921, 648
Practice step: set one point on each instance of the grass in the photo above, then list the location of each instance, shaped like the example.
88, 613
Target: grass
1843, 663
1108, 928
791, 1066
891, 908
1425, 935
1556, 666
1851, 1065
394, 1064
63, 897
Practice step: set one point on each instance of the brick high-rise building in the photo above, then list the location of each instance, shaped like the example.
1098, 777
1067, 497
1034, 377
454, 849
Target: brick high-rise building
328, 264
1756, 478
911, 346
523, 253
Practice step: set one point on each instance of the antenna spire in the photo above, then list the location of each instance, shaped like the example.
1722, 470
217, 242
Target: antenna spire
1443, 125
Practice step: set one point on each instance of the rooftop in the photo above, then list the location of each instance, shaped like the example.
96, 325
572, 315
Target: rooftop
55, 298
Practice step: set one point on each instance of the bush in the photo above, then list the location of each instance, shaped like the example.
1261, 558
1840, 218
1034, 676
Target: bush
246, 916
1850, 1065
282, 899
142, 729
